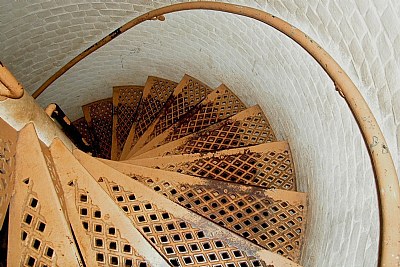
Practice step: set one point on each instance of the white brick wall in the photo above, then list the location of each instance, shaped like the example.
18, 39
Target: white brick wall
259, 64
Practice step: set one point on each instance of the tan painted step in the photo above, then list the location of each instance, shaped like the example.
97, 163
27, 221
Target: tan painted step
220, 104
187, 94
249, 127
8, 143
83, 128
268, 165
105, 235
155, 93
99, 115
126, 100
181, 236
39, 232
273, 219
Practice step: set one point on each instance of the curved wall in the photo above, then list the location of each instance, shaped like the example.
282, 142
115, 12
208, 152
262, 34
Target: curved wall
261, 65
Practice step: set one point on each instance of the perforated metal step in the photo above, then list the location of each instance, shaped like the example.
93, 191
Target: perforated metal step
273, 219
249, 127
155, 94
99, 116
126, 100
8, 142
181, 236
39, 232
104, 233
220, 104
267, 165
187, 94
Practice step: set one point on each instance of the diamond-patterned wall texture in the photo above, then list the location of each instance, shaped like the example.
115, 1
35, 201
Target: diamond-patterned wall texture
260, 66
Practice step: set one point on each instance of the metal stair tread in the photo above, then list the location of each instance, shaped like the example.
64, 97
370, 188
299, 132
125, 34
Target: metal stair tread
39, 232
104, 234
273, 219
268, 165
218, 105
126, 100
147, 209
187, 94
155, 93
249, 127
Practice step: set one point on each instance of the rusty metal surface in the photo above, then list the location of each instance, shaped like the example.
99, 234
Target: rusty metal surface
99, 116
273, 219
187, 94
8, 142
220, 104
155, 94
105, 235
179, 235
126, 100
249, 127
39, 233
267, 165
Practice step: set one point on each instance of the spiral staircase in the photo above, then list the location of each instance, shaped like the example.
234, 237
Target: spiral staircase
179, 174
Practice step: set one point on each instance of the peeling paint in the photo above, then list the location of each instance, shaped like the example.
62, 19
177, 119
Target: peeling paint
115, 33
375, 141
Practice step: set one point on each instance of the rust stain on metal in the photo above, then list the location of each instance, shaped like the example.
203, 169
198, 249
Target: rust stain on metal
233, 206
385, 149
133, 196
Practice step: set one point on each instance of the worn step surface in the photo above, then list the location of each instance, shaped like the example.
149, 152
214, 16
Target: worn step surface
105, 235
187, 94
181, 236
39, 232
220, 104
99, 115
267, 165
126, 100
8, 143
155, 94
249, 127
273, 219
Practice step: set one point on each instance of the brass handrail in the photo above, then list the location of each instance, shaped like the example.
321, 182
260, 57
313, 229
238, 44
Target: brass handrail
9, 86
385, 173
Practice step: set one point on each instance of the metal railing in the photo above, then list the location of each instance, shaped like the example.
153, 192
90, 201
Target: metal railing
9, 86
385, 173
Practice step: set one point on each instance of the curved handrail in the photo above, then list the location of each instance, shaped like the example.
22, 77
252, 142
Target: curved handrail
385, 173
9, 86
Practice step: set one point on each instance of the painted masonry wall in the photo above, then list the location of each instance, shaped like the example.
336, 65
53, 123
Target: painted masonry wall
37, 37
